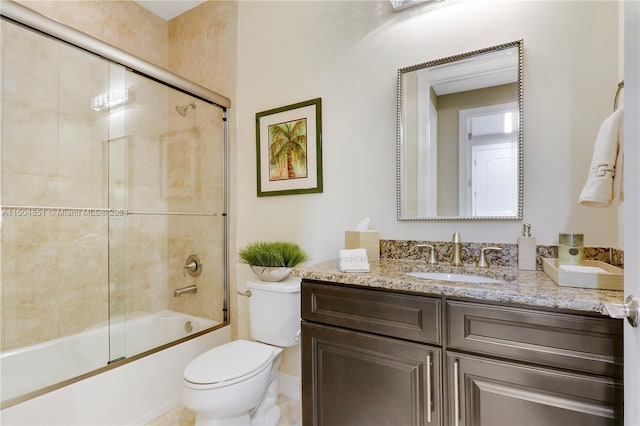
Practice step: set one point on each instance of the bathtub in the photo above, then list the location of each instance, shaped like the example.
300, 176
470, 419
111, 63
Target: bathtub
133, 393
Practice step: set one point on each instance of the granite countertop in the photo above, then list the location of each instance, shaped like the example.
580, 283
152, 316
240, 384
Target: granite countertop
532, 288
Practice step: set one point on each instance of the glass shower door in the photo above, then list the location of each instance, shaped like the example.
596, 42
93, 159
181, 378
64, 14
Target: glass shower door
174, 203
55, 230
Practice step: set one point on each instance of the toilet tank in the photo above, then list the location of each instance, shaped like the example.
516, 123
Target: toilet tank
274, 311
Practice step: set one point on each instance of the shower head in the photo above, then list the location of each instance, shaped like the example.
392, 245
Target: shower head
182, 109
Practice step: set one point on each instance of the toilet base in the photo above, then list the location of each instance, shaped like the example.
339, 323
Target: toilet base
267, 413
203, 420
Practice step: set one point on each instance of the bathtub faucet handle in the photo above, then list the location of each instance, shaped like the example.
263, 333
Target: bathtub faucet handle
192, 266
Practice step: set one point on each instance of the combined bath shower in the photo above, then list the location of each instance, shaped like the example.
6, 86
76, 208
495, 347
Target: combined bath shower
182, 109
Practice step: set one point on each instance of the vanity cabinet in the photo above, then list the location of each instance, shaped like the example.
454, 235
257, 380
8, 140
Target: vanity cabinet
370, 357
375, 357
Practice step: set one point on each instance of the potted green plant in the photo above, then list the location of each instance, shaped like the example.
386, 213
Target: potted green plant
272, 260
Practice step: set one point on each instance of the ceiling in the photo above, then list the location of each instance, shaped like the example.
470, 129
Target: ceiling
169, 9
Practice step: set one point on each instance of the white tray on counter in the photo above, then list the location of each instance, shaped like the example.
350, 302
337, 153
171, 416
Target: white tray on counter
613, 280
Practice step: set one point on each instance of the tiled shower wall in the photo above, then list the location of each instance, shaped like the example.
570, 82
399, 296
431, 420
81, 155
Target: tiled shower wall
55, 270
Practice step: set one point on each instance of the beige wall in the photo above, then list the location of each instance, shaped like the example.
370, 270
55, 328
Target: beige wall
348, 53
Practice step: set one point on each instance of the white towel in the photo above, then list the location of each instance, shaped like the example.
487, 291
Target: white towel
604, 185
354, 260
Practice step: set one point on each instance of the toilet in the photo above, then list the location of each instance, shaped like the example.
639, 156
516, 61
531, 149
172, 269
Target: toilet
237, 383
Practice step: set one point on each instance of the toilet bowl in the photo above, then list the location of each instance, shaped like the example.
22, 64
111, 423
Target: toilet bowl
225, 383
237, 383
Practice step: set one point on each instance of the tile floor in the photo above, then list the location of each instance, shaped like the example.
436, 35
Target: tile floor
290, 415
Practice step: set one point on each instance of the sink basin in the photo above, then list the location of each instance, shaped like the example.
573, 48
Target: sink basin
446, 276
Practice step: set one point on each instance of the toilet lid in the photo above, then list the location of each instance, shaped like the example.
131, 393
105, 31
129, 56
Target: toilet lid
228, 362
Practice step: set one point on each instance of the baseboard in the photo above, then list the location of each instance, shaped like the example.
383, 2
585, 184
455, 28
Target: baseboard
289, 386
157, 412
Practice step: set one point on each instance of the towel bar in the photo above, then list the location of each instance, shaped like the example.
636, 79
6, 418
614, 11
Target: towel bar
615, 101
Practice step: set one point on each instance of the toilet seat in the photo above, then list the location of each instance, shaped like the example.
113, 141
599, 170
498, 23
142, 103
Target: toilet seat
228, 364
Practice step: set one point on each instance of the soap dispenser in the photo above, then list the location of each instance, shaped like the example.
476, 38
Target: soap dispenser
526, 249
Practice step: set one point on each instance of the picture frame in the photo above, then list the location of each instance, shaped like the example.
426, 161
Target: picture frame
289, 149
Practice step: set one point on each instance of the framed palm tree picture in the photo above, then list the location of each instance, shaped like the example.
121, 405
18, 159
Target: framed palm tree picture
289, 149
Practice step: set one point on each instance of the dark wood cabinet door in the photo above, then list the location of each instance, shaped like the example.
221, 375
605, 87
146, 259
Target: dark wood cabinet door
351, 378
484, 392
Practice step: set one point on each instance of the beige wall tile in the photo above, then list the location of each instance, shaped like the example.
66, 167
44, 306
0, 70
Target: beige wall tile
123, 24
29, 140
203, 45
203, 48
26, 56
60, 159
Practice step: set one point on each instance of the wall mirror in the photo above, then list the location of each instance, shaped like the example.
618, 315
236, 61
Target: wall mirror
459, 148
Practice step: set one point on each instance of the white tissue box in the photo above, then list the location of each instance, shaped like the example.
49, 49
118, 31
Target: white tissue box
368, 240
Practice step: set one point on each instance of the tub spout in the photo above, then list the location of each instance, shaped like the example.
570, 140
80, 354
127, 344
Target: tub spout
185, 290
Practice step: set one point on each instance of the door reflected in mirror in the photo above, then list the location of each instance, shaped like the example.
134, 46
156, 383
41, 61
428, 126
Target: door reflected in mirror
460, 136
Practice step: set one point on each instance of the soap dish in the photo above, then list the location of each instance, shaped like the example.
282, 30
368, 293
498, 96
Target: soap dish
612, 278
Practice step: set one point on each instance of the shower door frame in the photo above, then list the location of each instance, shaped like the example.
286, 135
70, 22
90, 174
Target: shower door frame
32, 20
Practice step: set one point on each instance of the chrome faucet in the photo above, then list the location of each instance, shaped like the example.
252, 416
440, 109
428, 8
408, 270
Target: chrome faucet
185, 290
457, 243
432, 256
482, 262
